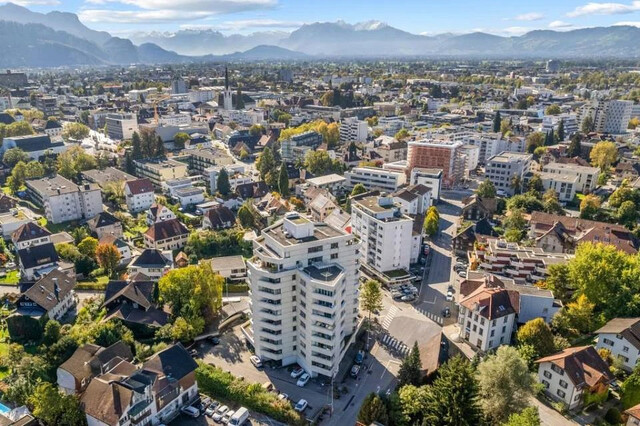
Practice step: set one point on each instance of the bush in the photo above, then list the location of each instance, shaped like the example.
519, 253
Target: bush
560, 407
217, 383
613, 416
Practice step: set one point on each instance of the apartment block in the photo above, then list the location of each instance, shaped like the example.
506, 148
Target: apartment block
501, 169
304, 294
48, 105
445, 155
586, 177
522, 264
551, 123
375, 178
490, 144
121, 126
385, 232
609, 116
564, 185
353, 130
297, 146
63, 200
158, 171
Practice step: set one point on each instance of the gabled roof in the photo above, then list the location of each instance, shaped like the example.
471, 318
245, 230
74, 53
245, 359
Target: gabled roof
106, 400
150, 258
29, 231
583, 365
629, 328
139, 186
139, 292
174, 362
167, 229
7, 203
219, 216
51, 289
492, 302
35, 256
90, 360
103, 219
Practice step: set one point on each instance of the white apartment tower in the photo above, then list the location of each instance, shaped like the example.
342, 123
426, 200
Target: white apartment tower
353, 130
227, 95
385, 232
304, 293
609, 116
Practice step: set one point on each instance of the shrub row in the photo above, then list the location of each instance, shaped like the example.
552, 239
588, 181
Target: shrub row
216, 383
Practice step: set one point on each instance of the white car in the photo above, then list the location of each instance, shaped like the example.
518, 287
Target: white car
302, 381
301, 405
283, 397
209, 412
191, 411
297, 373
255, 360
227, 416
449, 297
221, 411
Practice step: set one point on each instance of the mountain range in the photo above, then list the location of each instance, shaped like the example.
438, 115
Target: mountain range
53, 39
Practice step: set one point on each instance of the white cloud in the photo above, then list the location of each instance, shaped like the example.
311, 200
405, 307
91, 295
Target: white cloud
186, 6
515, 30
560, 24
137, 17
604, 9
36, 2
628, 24
532, 16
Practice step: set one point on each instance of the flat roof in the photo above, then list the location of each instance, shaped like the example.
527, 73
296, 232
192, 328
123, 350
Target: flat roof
321, 232
327, 273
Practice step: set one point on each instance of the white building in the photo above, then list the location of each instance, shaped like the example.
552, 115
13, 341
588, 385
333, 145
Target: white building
385, 232
138, 195
121, 126
564, 185
586, 177
374, 178
431, 178
608, 116
304, 294
490, 144
567, 375
487, 318
501, 169
621, 336
63, 200
353, 130
182, 119
235, 172
550, 123
472, 157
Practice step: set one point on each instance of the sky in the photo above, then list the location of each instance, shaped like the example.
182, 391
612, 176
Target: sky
503, 17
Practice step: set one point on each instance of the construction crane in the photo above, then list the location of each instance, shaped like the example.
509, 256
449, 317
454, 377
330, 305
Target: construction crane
155, 101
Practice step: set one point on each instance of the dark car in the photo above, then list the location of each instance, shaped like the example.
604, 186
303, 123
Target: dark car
446, 312
213, 340
359, 357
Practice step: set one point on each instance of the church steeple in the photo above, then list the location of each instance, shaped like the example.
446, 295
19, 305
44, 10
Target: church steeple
227, 96
226, 78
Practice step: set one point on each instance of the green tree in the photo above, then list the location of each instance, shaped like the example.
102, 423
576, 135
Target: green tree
245, 216
589, 206
505, 126
34, 170
370, 299
431, 224
505, 384
549, 139
358, 189
575, 147
516, 184
222, 183
283, 181
136, 146
180, 139
627, 214
265, 163
497, 121
453, 397
319, 163
186, 331
75, 160
553, 109
159, 150
603, 154
192, 292
373, 409
401, 135
256, 130
558, 281
88, 247
576, 317
13, 156
17, 178
621, 194
410, 372
535, 140
53, 408
561, 134
51, 332
535, 184
551, 204
108, 258
75, 131
537, 333
486, 189
631, 390
527, 417
587, 125
413, 400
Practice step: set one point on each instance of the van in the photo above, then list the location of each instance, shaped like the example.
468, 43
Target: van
239, 417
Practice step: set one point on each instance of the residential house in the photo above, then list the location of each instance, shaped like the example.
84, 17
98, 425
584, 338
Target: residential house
621, 337
159, 213
464, 241
321, 207
105, 224
34, 145
63, 200
7, 203
52, 295
132, 302
139, 195
634, 416
123, 248
218, 217
571, 374
414, 199
166, 235
475, 208
151, 263
87, 362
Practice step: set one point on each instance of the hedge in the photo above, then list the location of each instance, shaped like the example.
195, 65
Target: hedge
237, 288
216, 383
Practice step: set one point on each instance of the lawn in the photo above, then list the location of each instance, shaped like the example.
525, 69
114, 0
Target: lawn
54, 228
11, 278
97, 283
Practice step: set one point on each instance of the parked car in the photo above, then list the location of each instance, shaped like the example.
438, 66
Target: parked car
354, 371
446, 312
191, 412
255, 360
449, 297
221, 411
395, 295
283, 397
463, 274
213, 340
227, 416
210, 410
301, 405
297, 373
206, 402
408, 298
450, 289
303, 380
359, 357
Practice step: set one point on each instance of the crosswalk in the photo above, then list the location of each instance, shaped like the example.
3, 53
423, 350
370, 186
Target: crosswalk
395, 345
433, 317
386, 322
